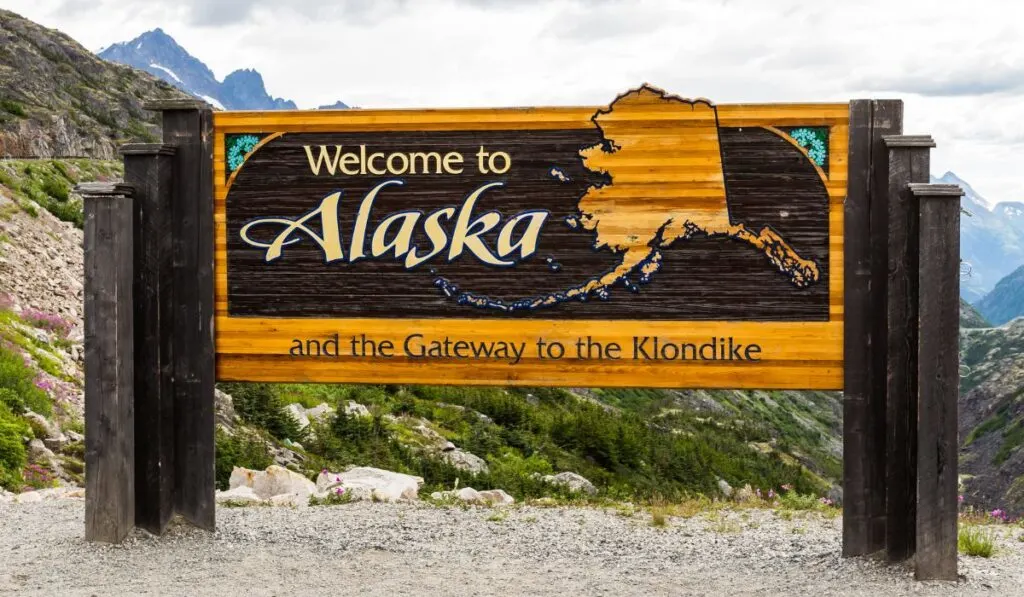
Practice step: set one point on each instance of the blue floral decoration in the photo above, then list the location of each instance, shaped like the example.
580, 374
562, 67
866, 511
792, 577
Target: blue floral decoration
814, 140
237, 147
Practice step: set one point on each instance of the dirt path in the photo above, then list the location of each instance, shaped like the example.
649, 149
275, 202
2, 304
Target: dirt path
383, 549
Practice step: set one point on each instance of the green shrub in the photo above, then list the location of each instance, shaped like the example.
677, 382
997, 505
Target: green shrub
13, 107
238, 450
12, 400
258, 404
796, 501
19, 379
13, 432
56, 189
976, 541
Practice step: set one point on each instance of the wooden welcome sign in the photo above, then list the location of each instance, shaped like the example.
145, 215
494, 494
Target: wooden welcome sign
655, 241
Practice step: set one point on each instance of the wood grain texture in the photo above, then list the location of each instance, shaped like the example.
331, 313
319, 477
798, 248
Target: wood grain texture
109, 427
938, 361
865, 330
192, 353
149, 169
908, 163
761, 180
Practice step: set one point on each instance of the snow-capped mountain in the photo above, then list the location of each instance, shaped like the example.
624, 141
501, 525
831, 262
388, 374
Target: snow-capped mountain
991, 239
158, 54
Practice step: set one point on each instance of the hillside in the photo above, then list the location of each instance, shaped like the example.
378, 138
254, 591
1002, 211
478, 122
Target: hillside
58, 99
1006, 301
970, 317
991, 239
992, 417
160, 55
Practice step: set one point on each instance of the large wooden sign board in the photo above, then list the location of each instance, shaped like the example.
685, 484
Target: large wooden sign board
655, 241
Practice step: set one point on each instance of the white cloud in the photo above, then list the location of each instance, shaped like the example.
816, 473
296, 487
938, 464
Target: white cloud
957, 65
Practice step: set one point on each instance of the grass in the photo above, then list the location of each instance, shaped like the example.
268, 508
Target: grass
499, 516
659, 516
976, 540
48, 184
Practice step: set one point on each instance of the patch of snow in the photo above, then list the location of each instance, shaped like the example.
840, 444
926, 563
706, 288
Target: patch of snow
139, 47
166, 70
213, 102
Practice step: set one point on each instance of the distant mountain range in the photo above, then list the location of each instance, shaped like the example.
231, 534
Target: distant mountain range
991, 240
159, 54
1006, 301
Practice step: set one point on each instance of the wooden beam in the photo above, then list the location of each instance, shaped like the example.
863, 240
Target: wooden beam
908, 163
149, 168
938, 371
190, 130
865, 221
109, 428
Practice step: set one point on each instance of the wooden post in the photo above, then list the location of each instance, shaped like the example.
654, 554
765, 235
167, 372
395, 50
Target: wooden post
109, 428
148, 167
188, 125
908, 163
939, 380
865, 230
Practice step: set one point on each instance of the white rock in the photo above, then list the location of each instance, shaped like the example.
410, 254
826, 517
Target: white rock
299, 414
354, 408
290, 500
322, 412
465, 461
572, 481
725, 488
278, 480
371, 483
240, 494
496, 497
242, 477
29, 497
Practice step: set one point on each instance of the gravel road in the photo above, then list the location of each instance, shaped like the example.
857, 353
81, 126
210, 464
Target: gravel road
387, 549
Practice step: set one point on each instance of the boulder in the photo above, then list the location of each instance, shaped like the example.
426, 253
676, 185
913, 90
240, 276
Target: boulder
371, 483
725, 488
323, 412
224, 409
298, 413
55, 439
29, 497
241, 494
496, 497
356, 409
491, 497
272, 482
289, 500
465, 461
572, 481
745, 494
39, 454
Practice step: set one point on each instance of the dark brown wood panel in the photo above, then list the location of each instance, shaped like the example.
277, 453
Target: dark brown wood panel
769, 182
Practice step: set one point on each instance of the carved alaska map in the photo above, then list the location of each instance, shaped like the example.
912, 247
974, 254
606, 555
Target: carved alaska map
635, 219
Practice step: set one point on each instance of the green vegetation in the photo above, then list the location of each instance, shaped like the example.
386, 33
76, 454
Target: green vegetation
18, 391
13, 430
12, 107
238, 450
1013, 438
48, 183
975, 540
524, 434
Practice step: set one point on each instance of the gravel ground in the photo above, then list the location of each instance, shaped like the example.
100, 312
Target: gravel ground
386, 549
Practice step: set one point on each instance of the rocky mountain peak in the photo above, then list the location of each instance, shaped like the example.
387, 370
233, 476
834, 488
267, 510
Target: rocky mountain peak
157, 53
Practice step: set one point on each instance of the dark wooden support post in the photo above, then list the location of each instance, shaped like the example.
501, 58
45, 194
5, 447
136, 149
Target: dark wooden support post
188, 125
148, 167
939, 380
908, 163
865, 233
109, 426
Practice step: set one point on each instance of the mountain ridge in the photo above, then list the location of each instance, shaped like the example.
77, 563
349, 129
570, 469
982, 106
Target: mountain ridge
162, 56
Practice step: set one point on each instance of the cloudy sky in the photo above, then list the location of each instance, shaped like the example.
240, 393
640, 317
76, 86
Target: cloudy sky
959, 66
